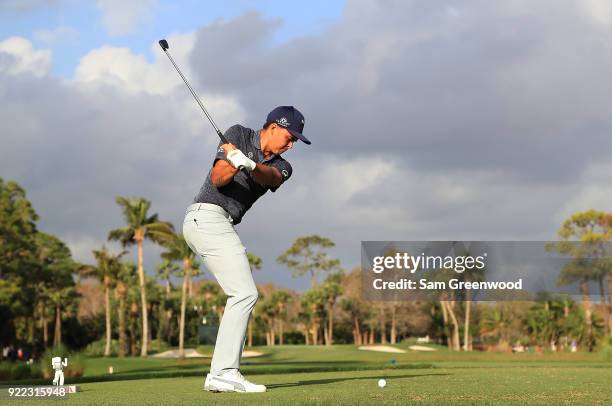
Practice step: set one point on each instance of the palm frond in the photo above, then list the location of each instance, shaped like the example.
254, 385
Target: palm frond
124, 235
159, 232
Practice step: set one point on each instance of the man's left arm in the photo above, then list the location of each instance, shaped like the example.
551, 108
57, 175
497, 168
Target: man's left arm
272, 174
283, 168
267, 175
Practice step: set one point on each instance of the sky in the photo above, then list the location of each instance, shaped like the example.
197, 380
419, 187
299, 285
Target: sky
471, 120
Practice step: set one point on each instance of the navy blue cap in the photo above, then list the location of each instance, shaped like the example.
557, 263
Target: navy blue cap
290, 118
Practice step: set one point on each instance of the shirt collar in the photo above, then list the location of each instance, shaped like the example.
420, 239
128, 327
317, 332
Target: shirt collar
257, 142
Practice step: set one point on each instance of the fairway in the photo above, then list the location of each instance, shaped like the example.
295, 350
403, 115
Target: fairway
439, 378
450, 385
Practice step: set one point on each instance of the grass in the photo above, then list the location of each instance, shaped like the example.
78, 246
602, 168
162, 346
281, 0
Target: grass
544, 385
345, 375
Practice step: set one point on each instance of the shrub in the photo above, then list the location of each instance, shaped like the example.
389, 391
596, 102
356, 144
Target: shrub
76, 363
96, 348
20, 370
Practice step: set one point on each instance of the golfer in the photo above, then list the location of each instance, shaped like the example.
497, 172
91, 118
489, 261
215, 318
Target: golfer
209, 223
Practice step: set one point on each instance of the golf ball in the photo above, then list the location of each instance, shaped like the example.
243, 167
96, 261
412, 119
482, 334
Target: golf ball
382, 383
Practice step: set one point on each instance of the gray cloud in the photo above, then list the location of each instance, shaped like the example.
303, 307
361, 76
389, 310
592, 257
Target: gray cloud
477, 120
20, 7
446, 86
121, 17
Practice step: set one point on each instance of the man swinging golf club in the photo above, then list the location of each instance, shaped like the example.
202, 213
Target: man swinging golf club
244, 168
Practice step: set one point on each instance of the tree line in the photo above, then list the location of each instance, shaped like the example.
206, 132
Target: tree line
39, 294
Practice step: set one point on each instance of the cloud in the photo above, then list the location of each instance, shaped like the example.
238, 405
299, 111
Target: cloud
438, 87
123, 126
18, 57
25, 6
478, 120
121, 17
599, 10
133, 73
62, 34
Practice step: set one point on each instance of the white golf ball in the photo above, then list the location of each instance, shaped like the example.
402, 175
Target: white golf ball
382, 383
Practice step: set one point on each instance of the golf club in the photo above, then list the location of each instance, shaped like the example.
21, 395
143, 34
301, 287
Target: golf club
164, 45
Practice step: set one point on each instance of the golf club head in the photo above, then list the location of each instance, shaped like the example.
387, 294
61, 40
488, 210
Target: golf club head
163, 44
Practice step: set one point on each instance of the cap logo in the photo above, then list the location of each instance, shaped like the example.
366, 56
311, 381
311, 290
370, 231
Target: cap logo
283, 122
285, 173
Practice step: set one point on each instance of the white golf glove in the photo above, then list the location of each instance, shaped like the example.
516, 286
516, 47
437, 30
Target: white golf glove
238, 159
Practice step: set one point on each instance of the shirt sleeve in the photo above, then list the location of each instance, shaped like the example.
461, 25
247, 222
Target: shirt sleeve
284, 168
233, 136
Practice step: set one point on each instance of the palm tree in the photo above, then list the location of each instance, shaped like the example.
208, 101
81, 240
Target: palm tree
178, 250
125, 278
255, 263
60, 297
280, 299
497, 322
165, 270
313, 306
331, 288
140, 226
267, 311
107, 269
583, 234
469, 276
356, 312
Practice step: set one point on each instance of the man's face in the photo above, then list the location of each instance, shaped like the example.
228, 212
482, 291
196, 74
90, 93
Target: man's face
281, 140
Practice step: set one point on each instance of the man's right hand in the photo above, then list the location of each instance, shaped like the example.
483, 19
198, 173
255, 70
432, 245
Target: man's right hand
239, 160
228, 148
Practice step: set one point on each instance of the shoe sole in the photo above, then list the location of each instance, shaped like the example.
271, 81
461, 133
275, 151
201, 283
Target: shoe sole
216, 389
226, 390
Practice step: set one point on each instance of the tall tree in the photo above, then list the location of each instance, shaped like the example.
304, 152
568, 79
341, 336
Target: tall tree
54, 278
331, 290
313, 308
267, 311
165, 271
357, 312
255, 262
308, 255
106, 271
178, 250
18, 262
499, 321
280, 299
140, 226
583, 235
126, 277
473, 275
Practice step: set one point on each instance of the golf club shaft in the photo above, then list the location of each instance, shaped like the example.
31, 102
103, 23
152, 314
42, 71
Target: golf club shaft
164, 46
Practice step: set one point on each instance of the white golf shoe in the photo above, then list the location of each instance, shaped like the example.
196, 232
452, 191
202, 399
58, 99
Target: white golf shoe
231, 381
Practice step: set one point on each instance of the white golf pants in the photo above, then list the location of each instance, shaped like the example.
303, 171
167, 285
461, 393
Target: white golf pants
209, 231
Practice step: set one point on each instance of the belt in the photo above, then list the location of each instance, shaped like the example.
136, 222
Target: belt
208, 207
